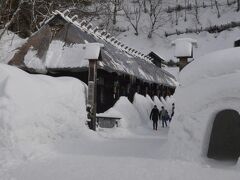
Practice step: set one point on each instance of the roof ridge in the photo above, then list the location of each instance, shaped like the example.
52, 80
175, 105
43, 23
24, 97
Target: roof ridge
103, 35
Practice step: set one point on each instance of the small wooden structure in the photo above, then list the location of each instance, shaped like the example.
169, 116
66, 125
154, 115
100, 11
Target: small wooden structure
156, 59
184, 50
107, 122
122, 71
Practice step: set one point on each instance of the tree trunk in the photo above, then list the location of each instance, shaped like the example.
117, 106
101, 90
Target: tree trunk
14, 16
185, 13
216, 4
115, 12
238, 5
144, 6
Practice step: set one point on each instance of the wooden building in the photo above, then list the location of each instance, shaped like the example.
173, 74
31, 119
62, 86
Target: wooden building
122, 71
156, 59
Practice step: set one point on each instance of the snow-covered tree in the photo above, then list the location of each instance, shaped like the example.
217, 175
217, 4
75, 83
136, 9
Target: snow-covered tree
238, 5
156, 15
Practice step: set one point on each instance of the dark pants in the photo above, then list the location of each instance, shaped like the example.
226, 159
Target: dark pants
155, 125
171, 117
164, 122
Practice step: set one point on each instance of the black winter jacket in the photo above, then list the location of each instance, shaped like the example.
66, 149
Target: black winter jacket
155, 114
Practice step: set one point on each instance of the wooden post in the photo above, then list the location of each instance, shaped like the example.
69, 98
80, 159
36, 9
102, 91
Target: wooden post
92, 92
183, 61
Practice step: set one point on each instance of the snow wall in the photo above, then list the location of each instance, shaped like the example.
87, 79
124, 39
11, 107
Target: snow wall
136, 114
36, 110
208, 85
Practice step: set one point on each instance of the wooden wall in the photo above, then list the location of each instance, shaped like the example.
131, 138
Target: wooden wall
111, 86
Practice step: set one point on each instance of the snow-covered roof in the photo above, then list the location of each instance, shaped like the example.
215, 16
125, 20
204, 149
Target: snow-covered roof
56, 44
184, 47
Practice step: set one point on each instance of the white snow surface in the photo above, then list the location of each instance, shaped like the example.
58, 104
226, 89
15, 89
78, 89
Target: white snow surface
36, 110
8, 46
184, 47
43, 136
208, 85
76, 55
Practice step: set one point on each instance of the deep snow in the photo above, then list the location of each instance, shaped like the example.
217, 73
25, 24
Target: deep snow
37, 110
208, 85
44, 136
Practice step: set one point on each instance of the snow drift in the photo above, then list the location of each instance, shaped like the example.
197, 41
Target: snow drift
208, 85
123, 108
37, 110
136, 115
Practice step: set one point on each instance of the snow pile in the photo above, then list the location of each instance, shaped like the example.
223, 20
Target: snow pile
61, 56
135, 115
144, 106
208, 85
184, 47
123, 108
36, 110
77, 55
157, 102
8, 46
33, 61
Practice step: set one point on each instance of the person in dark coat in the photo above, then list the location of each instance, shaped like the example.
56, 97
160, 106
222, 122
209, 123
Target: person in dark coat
154, 116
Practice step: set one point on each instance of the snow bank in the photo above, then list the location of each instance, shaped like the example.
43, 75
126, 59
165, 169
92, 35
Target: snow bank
134, 115
157, 102
8, 45
208, 85
36, 110
124, 108
144, 106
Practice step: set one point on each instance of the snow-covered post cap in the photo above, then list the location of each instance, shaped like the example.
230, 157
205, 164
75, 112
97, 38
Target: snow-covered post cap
184, 47
90, 50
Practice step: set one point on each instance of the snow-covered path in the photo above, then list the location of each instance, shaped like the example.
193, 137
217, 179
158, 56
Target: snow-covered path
139, 156
147, 146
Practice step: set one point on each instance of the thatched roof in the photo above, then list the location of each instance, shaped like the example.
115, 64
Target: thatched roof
55, 47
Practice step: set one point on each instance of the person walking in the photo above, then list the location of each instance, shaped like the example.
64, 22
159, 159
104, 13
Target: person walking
154, 116
164, 116
173, 108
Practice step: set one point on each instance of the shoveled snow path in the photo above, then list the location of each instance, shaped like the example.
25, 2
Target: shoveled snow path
139, 156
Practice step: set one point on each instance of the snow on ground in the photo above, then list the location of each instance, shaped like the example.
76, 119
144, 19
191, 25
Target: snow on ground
45, 137
34, 112
162, 45
208, 85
